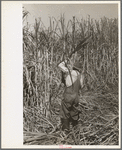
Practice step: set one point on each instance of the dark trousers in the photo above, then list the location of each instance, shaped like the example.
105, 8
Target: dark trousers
68, 112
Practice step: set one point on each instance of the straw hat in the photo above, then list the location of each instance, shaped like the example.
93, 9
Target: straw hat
77, 65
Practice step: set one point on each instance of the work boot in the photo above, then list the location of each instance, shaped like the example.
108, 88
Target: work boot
74, 122
65, 124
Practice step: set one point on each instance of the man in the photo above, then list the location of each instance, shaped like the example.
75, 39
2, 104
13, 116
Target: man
73, 83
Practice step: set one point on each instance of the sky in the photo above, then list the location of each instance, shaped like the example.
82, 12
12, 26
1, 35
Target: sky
44, 11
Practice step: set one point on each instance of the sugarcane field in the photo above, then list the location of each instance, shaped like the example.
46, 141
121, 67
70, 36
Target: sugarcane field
70, 79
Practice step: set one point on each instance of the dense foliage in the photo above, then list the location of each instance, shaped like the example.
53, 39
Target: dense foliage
43, 49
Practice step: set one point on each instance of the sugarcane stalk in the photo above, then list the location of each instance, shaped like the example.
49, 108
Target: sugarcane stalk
48, 86
45, 74
73, 33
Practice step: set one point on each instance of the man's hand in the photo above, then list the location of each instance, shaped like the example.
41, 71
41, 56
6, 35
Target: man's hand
66, 59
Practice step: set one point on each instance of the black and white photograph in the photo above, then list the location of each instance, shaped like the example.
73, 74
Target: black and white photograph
71, 59
70, 74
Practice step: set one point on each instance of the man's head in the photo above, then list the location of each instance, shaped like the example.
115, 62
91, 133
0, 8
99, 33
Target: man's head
77, 66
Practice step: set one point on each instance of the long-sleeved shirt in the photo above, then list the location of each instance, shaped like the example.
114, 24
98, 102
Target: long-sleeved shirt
74, 75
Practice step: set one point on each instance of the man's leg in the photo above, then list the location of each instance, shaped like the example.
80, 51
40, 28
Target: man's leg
65, 124
74, 113
65, 115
